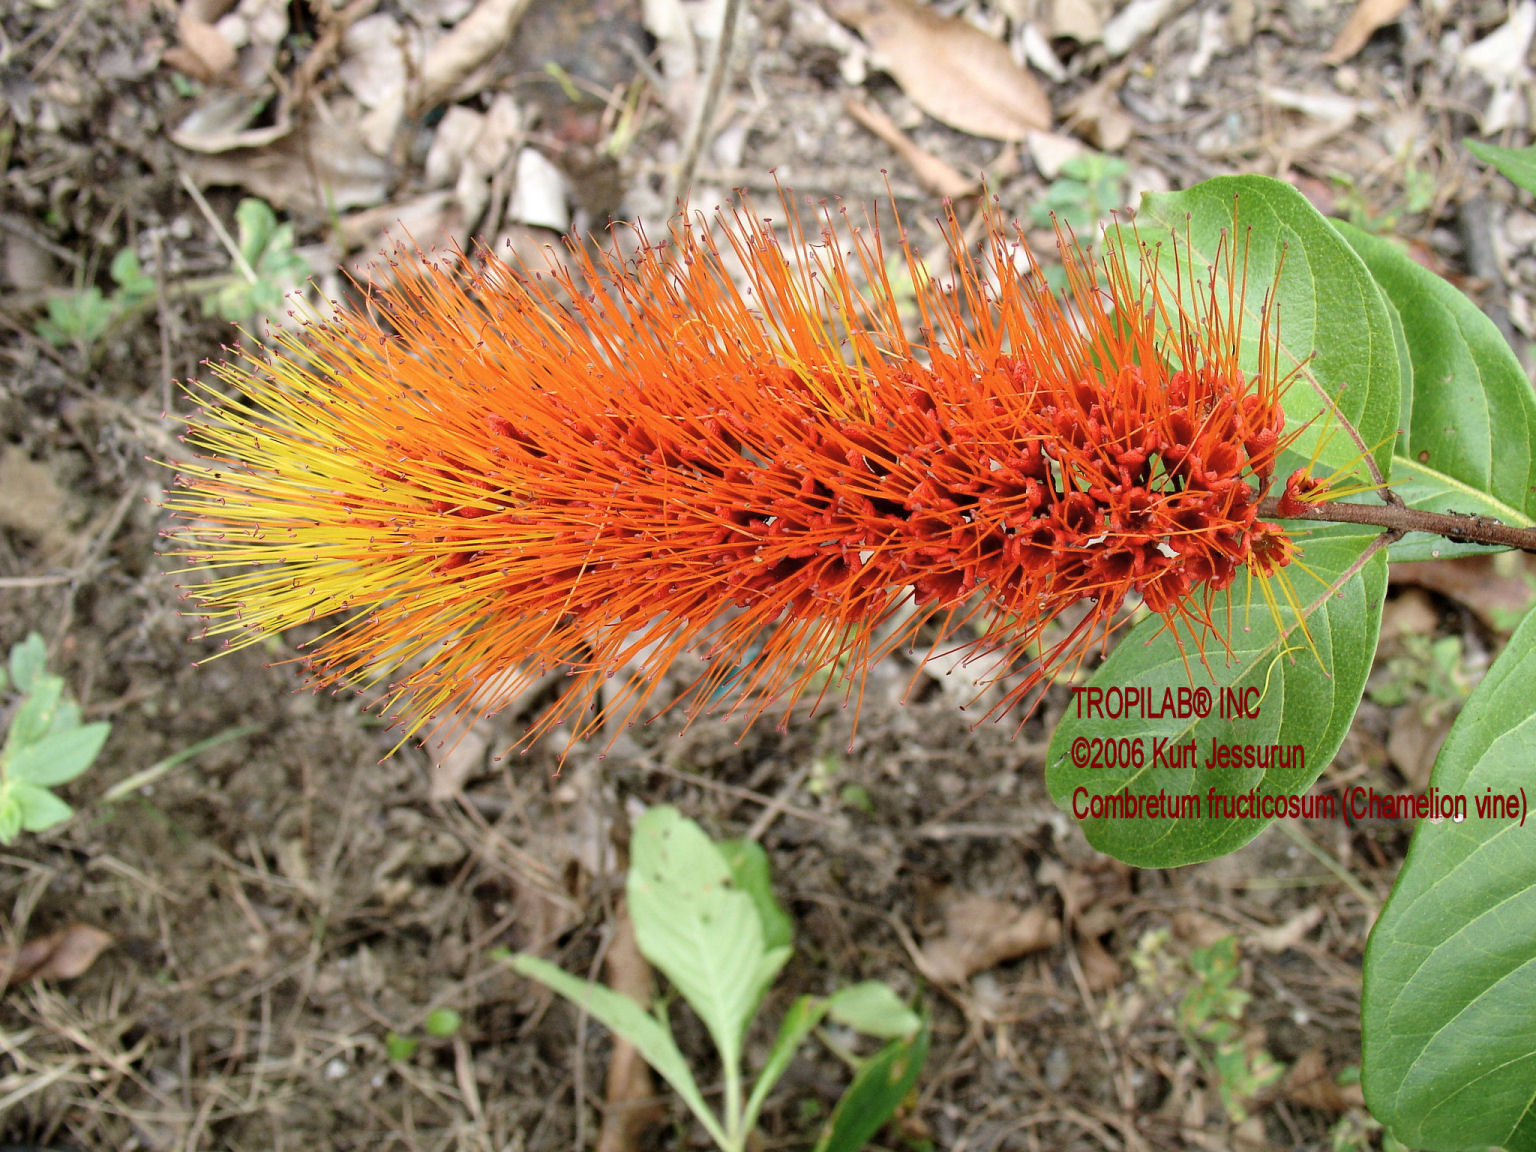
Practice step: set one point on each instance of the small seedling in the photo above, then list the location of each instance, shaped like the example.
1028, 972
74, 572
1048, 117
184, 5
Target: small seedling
1089, 187
705, 915
443, 1023
267, 268
45, 745
1209, 1016
1427, 671
264, 269
85, 316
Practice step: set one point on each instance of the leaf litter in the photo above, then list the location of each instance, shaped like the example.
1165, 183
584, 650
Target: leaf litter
280, 907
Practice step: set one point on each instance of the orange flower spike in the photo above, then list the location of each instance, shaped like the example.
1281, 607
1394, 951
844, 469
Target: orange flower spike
599, 470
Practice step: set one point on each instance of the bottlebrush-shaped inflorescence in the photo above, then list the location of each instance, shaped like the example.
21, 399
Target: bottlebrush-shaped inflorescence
481, 479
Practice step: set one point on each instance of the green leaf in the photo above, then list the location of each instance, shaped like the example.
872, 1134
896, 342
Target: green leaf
82, 317
38, 808
1467, 440
29, 659
1446, 1012
749, 869
693, 924
1330, 307
132, 285
443, 1023
400, 1048
625, 1018
875, 1094
1303, 701
255, 225
58, 757
804, 1014
35, 718
1518, 164
10, 813
873, 1009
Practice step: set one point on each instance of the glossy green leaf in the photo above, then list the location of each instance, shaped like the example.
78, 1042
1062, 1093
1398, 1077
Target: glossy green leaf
1467, 440
1330, 308
697, 927
1448, 1012
1304, 702
1518, 164
875, 1094
625, 1018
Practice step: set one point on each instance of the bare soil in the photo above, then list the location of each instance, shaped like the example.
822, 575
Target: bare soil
287, 899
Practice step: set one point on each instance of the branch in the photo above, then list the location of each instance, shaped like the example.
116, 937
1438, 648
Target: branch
1458, 526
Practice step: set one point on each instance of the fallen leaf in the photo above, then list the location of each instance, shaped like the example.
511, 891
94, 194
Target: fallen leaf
1413, 744
323, 162
1080, 20
631, 1103
1309, 1084
32, 502
61, 955
1291, 933
473, 41
1368, 16
932, 172
981, 932
1137, 19
225, 122
202, 51
1101, 971
1498, 595
1051, 150
1098, 115
952, 70
1500, 56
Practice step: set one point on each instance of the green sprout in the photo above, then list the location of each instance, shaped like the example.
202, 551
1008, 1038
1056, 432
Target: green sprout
1088, 188
705, 916
45, 745
85, 316
1209, 1016
264, 268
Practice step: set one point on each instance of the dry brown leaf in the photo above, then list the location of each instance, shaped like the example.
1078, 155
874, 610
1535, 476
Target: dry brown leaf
60, 955
933, 173
32, 502
223, 122
1080, 20
1138, 19
1496, 595
1368, 16
953, 71
1291, 933
320, 163
980, 932
1413, 744
475, 39
1098, 116
203, 52
630, 1097
1101, 971
1309, 1084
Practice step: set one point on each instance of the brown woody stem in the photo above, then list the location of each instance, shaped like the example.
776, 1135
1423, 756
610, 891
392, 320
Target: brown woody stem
1459, 526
